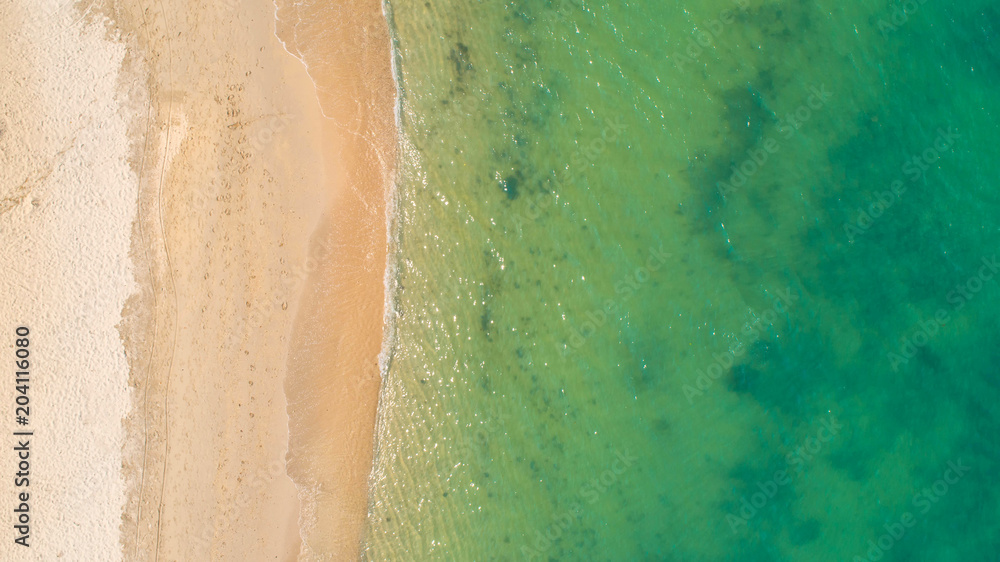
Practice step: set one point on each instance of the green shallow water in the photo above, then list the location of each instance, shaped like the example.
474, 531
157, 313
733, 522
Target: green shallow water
611, 346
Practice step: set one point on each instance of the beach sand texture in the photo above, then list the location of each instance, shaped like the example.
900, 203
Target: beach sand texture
67, 198
186, 192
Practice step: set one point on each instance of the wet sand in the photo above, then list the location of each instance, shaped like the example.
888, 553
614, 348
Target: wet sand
261, 243
334, 373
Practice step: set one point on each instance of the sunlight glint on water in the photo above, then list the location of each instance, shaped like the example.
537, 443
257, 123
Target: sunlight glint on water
611, 345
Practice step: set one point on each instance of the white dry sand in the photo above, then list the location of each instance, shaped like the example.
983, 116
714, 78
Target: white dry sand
67, 204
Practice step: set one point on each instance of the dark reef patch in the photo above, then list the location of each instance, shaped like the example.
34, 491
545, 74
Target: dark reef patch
459, 57
745, 114
510, 185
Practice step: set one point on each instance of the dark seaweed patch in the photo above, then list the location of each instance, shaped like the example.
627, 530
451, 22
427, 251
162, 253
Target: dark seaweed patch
459, 57
786, 375
850, 462
746, 115
805, 532
744, 379
510, 185
749, 477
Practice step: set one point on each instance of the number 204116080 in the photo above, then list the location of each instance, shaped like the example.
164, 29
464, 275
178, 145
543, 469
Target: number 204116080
23, 375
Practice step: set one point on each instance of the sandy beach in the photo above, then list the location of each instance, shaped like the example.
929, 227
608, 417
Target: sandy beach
67, 196
219, 230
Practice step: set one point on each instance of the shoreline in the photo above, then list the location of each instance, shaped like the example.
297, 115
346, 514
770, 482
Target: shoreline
334, 374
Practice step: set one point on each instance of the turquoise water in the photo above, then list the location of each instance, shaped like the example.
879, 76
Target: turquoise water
694, 281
